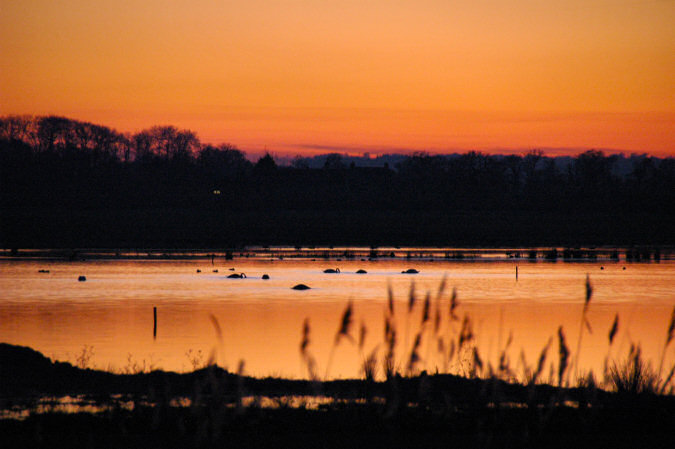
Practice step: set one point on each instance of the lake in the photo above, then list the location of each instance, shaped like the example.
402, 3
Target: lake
203, 316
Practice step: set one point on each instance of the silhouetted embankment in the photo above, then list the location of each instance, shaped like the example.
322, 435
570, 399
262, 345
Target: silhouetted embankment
26, 372
422, 411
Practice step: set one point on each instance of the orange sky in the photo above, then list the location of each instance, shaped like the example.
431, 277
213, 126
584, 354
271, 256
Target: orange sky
300, 76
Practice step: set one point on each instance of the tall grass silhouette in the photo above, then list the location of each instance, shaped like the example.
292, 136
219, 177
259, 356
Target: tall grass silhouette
343, 332
584, 321
448, 344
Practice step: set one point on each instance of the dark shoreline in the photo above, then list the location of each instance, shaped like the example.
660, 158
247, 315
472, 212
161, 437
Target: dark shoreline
420, 411
647, 253
25, 372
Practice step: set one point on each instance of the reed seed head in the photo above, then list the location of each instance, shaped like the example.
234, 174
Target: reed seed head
414, 354
390, 295
441, 287
437, 318
427, 304
305, 337
671, 328
615, 327
345, 324
542, 360
564, 353
589, 290
411, 297
477, 361
466, 334
453, 304
440, 345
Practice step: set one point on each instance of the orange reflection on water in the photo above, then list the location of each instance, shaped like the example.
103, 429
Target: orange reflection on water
261, 321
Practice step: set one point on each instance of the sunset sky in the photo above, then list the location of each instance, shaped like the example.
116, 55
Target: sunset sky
314, 76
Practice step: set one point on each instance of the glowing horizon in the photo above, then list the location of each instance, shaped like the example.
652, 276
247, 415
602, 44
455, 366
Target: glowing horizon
306, 77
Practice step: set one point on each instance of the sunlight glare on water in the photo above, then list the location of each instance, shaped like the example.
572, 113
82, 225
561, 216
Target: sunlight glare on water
261, 320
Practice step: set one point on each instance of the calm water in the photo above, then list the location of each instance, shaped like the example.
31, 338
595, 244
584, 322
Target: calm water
261, 320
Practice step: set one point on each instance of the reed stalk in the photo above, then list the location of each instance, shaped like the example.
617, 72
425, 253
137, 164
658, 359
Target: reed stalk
670, 335
584, 322
343, 331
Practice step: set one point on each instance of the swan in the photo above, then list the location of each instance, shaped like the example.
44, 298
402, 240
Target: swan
237, 276
410, 271
362, 271
300, 287
265, 276
331, 270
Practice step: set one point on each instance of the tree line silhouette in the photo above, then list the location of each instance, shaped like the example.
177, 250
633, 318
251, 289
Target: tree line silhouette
68, 182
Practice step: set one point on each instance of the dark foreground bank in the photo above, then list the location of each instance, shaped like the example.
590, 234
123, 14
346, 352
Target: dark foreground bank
421, 411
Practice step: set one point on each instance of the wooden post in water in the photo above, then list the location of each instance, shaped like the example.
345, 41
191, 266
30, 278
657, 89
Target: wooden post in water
154, 327
516, 272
